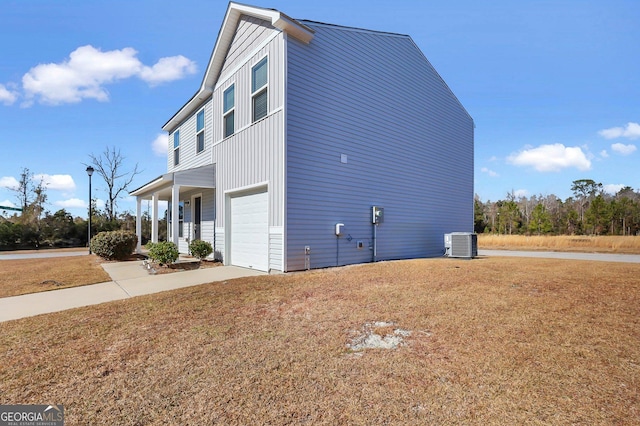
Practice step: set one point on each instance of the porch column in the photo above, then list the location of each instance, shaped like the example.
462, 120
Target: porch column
139, 224
175, 213
154, 220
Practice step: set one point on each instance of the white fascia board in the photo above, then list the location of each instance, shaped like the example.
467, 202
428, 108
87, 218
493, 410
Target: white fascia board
293, 27
225, 37
194, 103
150, 187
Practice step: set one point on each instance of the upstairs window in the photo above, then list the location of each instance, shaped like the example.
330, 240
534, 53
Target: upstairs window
176, 148
228, 110
200, 132
259, 79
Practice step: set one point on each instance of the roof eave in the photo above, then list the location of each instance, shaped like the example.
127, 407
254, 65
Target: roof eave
235, 10
152, 185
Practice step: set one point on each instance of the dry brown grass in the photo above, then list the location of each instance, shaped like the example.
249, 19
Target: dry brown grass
493, 341
577, 243
35, 275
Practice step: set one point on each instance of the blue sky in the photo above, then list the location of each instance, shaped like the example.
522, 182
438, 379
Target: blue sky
553, 86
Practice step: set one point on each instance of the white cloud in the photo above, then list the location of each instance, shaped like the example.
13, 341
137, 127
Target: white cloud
551, 158
631, 131
612, 188
56, 182
7, 96
73, 203
520, 193
168, 69
7, 203
623, 149
160, 145
489, 172
87, 71
604, 153
9, 182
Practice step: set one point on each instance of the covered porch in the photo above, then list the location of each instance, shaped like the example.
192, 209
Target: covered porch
176, 187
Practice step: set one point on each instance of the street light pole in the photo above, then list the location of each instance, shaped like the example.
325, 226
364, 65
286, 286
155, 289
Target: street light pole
89, 172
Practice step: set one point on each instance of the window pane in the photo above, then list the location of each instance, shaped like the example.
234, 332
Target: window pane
228, 124
181, 219
176, 139
176, 156
259, 75
228, 99
200, 121
200, 141
260, 105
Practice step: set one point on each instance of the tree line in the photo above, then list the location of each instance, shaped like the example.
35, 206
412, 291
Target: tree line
36, 227
590, 211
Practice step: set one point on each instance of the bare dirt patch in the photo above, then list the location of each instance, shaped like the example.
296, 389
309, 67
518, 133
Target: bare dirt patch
377, 335
492, 341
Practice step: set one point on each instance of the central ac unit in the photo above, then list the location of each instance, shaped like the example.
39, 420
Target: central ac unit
461, 244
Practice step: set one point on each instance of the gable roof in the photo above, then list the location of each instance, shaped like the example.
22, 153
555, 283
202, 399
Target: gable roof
225, 37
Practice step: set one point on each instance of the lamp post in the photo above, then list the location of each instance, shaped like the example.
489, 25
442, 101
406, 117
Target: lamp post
89, 172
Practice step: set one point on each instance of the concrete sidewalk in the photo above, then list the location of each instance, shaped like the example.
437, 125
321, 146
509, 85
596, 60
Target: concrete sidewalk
130, 279
596, 257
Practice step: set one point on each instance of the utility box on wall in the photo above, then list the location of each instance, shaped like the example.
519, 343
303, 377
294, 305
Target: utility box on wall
461, 244
377, 215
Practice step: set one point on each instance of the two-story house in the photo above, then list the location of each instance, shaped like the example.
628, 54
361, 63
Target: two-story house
312, 145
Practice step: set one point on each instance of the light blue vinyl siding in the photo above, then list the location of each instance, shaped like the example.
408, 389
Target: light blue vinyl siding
408, 144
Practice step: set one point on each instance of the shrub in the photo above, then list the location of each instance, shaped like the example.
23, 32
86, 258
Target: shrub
164, 252
200, 249
114, 245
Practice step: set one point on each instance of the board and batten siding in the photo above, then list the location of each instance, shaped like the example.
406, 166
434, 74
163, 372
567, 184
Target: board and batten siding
241, 79
250, 33
374, 100
254, 154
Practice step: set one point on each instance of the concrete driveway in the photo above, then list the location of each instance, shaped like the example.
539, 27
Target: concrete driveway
32, 254
594, 257
130, 279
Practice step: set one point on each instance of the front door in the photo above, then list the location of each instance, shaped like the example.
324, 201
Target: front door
197, 217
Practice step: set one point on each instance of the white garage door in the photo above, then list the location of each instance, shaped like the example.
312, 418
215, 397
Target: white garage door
250, 231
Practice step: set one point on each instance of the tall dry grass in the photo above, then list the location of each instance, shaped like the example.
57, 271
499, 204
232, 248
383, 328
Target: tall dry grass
580, 243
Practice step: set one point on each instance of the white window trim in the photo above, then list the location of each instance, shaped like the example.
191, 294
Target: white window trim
192, 232
242, 129
259, 90
180, 221
231, 110
204, 125
176, 148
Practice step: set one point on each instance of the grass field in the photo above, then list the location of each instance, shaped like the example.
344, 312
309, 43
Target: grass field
577, 243
487, 341
35, 275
